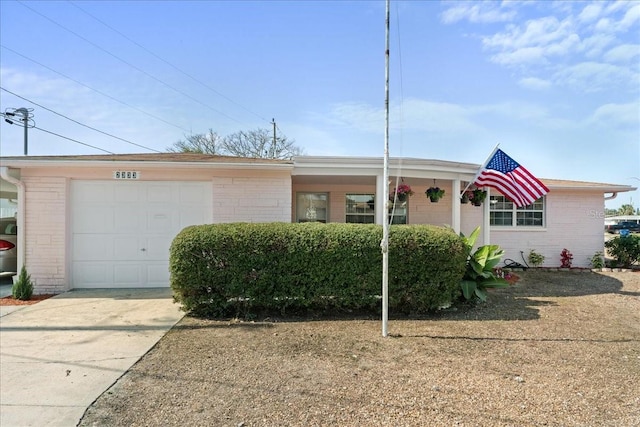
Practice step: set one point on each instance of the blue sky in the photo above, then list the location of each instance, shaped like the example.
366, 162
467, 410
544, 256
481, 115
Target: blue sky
556, 84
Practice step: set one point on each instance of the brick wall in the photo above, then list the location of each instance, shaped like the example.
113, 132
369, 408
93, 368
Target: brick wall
252, 199
45, 234
574, 221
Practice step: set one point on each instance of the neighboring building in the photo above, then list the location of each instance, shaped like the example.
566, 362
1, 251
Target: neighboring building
103, 221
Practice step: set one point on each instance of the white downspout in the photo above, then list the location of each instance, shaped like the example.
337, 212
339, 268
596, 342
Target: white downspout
20, 220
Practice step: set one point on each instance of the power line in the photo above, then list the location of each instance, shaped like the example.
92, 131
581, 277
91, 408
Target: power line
96, 90
129, 64
167, 62
77, 122
74, 140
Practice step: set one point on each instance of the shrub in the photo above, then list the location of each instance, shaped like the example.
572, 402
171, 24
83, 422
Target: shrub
625, 250
23, 288
566, 258
597, 260
535, 259
243, 269
479, 273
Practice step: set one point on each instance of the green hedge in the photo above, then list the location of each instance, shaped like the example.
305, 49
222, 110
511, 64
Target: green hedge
243, 269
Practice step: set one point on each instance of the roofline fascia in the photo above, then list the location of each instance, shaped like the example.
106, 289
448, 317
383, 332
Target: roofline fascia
17, 164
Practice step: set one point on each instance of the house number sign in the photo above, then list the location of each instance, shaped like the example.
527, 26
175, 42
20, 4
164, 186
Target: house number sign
126, 175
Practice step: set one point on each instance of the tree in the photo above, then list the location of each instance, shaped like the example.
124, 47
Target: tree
203, 143
626, 210
257, 143
260, 143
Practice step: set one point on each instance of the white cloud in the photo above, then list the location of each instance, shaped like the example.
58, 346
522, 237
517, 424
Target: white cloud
477, 12
631, 17
617, 115
590, 13
534, 83
623, 53
595, 76
522, 56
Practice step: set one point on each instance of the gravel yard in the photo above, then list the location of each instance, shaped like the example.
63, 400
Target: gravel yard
556, 349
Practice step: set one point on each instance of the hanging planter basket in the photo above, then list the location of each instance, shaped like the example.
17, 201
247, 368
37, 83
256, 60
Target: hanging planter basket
464, 199
434, 194
477, 197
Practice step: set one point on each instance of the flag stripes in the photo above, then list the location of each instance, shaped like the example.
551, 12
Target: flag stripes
512, 180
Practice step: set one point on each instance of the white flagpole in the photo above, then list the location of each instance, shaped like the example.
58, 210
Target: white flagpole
384, 245
480, 170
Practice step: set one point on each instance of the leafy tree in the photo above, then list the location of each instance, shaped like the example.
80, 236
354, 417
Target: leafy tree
626, 210
257, 143
203, 143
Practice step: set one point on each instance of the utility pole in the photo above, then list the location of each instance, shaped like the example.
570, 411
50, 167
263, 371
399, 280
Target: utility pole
273, 146
26, 120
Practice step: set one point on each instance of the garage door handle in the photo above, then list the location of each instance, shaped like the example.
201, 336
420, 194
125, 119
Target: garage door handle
143, 249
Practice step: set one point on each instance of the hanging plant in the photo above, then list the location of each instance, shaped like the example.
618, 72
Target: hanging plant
477, 196
402, 193
464, 198
434, 193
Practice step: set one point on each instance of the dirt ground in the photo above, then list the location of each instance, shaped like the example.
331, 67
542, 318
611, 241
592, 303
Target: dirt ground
556, 349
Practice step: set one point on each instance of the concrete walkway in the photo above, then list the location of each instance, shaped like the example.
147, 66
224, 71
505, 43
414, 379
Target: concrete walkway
59, 355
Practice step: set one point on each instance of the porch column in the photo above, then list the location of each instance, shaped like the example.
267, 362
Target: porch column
486, 232
380, 204
455, 206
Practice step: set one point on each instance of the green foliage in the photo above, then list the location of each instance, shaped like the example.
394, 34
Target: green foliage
479, 273
535, 259
244, 269
625, 250
23, 288
597, 260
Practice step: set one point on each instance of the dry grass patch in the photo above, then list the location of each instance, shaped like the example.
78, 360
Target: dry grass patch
557, 349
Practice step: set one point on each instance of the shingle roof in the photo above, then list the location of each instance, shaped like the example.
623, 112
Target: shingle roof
152, 157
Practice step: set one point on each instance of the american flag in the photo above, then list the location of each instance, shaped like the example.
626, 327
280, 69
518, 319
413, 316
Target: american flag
512, 180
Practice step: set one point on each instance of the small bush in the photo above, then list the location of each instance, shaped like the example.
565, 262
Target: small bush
625, 250
23, 288
566, 258
597, 260
535, 259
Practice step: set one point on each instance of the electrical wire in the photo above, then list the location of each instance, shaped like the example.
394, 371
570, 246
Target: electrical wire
140, 70
96, 90
74, 140
77, 122
175, 67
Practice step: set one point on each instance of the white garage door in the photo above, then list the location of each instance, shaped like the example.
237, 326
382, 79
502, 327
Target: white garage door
122, 230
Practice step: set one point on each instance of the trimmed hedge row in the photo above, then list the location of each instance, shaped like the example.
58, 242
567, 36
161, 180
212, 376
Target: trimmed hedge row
243, 269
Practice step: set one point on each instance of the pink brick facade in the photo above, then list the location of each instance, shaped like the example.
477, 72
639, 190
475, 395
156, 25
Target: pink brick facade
46, 228
250, 190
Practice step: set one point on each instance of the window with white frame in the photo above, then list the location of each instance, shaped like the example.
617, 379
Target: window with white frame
360, 209
312, 207
503, 212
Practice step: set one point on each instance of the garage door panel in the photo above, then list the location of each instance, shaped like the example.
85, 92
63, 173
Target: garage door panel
161, 193
157, 274
126, 248
157, 248
159, 220
123, 239
93, 275
93, 192
127, 219
93, 219
127, 192
127, 274
92, 247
